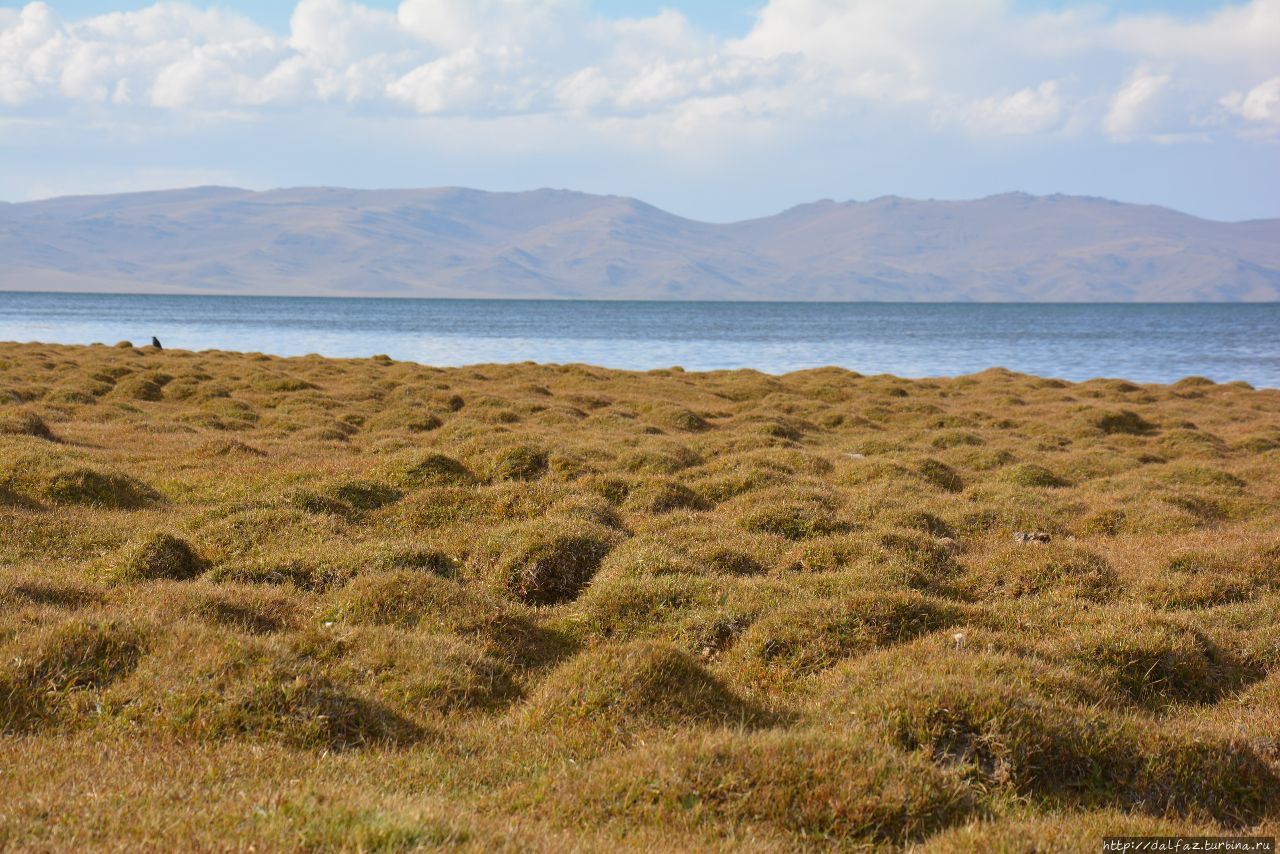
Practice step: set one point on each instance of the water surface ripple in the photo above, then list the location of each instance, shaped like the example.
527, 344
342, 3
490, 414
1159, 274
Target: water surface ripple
1145, 343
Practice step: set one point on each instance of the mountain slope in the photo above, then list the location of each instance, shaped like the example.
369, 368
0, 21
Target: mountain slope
551, 243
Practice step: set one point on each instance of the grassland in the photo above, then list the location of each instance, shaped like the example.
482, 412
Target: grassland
253, 602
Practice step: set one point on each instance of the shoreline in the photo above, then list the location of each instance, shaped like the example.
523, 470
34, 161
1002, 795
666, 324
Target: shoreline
1236, 383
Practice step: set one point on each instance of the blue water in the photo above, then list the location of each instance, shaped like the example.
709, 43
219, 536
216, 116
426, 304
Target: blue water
1145, 343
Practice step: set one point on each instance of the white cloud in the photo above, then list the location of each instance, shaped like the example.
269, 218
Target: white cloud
583, 90
338, 32
452, 25
1259, 104
1030, 110
164, 23
25, 44
450, 82
1135, 104
981, 66
1239, 35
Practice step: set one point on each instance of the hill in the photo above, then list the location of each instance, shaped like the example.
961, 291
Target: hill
455, 242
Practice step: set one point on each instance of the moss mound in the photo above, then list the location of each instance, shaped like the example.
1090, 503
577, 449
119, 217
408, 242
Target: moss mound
1039, 730
1029, 474
705, 616
941, 475
667, 458
544, 562
420, 601
243, 608
230, 448
244, 533
429, 674
407, 418
624, 608
25, 423
306, 711
801, 639
1003, 720
1198, 578
360, 494
287, 691
43, 672
664, 496
519, 462
678, 550
1194, 382
441, 506
433, 469
1201, 476
1215, 779
284, 384
1054, 568
159, 556
343, 498
1188, 590
139, 387
823, 788
613, 691
1123, 422
409, 555
589, 508
679, 418
310, 501
409, 599
94, 488
791, 513
912, 559
10, 498
1156, 663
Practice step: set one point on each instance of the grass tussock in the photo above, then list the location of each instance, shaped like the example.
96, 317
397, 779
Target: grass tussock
1121, 422
802, 639
822, 788
52, 672
283, 604
92, 488
410, 599
1032, 569
22, 422
615, 690
1049, 734
159, 556
543, 562
432, 469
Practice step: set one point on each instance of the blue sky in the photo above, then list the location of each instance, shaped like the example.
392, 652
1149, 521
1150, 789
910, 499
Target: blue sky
723, 16
717, 110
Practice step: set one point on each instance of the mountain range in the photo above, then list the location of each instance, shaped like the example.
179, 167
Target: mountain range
453, 242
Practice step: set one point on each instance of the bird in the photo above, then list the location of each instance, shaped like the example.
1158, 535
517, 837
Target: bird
155, 342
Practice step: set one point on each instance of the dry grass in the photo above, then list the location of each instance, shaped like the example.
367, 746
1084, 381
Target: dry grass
281, 604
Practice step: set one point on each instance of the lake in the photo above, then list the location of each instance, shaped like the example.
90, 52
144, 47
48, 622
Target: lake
1145, 343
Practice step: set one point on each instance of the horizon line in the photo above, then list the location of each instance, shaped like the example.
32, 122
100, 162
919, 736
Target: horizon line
45, 293
547, 189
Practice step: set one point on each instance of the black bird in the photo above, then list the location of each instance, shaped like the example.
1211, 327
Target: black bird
155, 342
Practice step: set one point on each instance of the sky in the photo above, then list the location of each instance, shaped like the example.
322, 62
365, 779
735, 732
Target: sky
717, 110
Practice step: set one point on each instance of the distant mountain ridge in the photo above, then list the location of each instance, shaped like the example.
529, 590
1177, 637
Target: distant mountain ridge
454, 242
